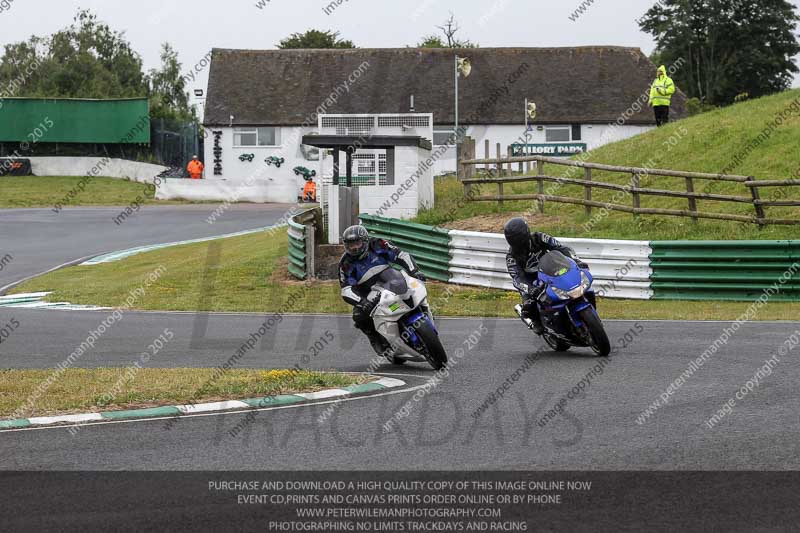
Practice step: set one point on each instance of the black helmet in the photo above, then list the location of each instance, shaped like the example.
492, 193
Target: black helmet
518, 236
356, 241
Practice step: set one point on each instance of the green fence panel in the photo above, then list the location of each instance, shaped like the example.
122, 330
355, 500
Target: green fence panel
430, 246
57, 120
726, 270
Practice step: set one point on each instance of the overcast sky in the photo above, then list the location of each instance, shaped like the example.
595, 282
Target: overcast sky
193, 27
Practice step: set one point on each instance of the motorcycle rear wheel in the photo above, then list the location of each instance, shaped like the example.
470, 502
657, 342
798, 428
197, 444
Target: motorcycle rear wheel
434, 351
600, 342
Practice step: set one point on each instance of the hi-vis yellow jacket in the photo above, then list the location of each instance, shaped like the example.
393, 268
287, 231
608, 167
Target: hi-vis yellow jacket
662, 89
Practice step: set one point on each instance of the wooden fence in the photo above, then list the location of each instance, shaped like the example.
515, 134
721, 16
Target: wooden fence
536, 172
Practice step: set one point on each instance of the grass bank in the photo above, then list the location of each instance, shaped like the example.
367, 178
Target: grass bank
111, 389
712, 142
248, 274
47, 191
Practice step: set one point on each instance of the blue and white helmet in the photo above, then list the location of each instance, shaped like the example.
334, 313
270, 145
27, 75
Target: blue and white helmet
356, 241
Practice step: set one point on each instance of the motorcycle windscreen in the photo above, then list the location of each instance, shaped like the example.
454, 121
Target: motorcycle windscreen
555, 264
393, 281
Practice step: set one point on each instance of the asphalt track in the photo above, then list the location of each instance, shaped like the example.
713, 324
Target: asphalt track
597, 432
41, 239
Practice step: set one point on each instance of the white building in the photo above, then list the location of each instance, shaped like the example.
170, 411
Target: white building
261, 103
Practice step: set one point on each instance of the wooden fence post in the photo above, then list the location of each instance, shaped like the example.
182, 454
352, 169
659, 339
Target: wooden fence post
757, 203
500, 169
488, 152
692, 201
587, 191
635, 186
540, 172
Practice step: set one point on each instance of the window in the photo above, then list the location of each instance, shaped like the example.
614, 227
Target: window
443, 136
576, 132
249, 137
557, 134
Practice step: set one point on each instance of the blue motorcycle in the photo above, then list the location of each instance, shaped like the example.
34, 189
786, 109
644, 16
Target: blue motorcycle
568, 307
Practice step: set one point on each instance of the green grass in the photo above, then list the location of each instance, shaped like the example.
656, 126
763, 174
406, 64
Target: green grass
703, 143
249, 275
112, 389
47, 191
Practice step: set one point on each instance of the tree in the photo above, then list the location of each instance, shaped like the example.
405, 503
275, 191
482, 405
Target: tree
449, 29
315, 39
90, 60
167, 91
729, 47
85, 60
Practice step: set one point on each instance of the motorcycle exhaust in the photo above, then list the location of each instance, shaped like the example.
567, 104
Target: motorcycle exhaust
528, 322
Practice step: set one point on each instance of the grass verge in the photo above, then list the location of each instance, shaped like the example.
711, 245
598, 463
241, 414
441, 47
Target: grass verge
710, 142
248, 274
93, 390
47, 191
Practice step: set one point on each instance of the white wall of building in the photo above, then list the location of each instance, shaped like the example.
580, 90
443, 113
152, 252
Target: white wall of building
408, 194
593, 135
284, 185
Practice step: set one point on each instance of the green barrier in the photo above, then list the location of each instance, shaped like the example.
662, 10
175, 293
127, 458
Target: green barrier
726, 270
429, 246
68, 120
297, 250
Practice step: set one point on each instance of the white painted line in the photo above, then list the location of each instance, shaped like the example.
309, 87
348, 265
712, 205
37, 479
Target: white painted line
322, 395
34, 304
213, 406
27, 295
389, 382
86, 417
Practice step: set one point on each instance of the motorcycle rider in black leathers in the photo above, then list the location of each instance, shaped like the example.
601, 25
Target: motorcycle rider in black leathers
522, 260
363, 260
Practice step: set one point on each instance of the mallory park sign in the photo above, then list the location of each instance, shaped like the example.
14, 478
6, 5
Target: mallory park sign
551, 149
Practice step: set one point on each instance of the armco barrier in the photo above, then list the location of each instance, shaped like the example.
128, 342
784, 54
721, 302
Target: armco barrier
430, 246
297, 250
302, 242
621, 268
678, 270
726, 270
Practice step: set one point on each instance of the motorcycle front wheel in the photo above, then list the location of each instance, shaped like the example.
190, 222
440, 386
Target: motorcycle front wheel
434, 351
600, 342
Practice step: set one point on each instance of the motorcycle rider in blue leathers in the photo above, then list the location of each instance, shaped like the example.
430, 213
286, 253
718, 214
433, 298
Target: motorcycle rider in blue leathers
363, 260
522, 261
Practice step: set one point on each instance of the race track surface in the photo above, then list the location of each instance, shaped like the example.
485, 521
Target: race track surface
598, 430
40, 239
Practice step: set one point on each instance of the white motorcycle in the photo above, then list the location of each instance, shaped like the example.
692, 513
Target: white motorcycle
404, 319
